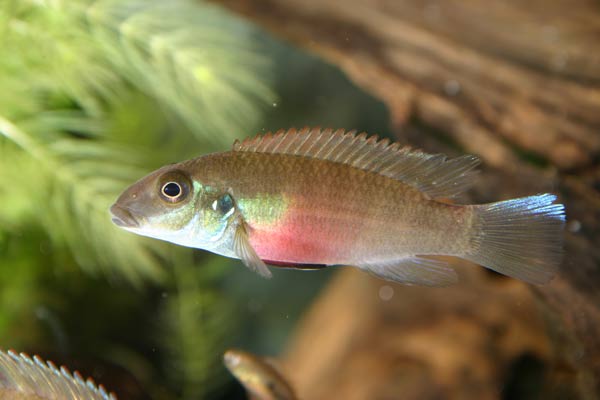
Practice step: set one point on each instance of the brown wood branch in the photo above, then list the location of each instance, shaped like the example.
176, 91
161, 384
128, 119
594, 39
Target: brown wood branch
513, 69
357, 343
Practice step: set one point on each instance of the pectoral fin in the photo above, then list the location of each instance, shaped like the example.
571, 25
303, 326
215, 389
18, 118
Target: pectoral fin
414, 271
243, 249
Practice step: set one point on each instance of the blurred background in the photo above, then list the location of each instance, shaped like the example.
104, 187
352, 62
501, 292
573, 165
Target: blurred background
94, 94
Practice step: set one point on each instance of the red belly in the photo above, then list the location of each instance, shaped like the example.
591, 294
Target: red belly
303, 239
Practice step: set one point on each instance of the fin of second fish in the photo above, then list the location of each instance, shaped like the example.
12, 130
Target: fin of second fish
244, 250
414, 271
24, 377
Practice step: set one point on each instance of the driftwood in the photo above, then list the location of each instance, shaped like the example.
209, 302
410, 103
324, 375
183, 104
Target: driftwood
455, 343
517, 83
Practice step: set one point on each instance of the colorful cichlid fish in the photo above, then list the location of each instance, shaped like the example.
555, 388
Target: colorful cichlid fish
24, 378
313, 198
261, 379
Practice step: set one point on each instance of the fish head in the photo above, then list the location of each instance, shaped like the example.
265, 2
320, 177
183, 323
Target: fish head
257, 375
170, 204
243, 366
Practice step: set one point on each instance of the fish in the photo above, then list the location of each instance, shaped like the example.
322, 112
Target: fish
26, 378
260, 378
313, 198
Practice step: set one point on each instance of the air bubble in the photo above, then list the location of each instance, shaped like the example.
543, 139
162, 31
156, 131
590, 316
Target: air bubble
452, 87
386, 292
574, 226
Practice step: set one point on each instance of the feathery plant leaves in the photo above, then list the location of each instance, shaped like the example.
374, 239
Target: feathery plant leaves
95, 94
75, 212
192, 61
67, 74
196, 324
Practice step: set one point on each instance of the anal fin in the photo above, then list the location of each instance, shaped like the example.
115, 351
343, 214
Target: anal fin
413, 270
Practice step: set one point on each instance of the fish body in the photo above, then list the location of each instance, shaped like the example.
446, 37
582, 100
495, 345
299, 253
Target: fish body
259, 377
313, 197
309, 211
25, 378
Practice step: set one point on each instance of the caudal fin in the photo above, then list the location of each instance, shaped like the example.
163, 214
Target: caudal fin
521, 238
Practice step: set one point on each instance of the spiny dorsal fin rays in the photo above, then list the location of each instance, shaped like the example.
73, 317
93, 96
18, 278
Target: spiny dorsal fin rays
33, 377
433, 174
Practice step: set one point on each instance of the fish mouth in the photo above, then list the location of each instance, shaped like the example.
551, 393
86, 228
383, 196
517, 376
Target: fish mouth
122, 217
231, 359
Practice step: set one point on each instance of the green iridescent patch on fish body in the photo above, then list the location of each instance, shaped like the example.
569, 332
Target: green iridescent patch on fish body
266, 210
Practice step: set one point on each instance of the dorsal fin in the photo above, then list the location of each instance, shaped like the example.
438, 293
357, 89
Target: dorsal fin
432, 174
33, 378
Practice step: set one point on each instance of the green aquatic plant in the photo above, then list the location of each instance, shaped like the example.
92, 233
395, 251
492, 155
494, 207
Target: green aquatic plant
93, 95
196, 310
69, 73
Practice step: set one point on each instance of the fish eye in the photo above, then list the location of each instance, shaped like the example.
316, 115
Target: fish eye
174, 187
171, 189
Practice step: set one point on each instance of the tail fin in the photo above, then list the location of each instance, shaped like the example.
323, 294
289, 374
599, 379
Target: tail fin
521, 238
